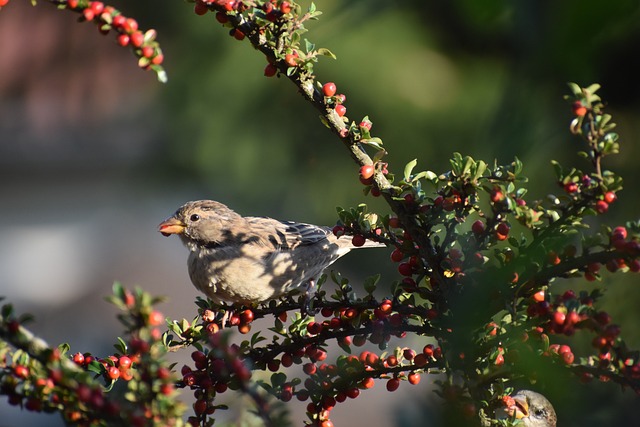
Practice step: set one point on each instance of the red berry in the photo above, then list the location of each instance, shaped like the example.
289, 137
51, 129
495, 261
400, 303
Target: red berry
477, 227
367, 383
21, 371
497, 195
309, 368
118, 21
78, 358
290, 60
405, 269
619, 233
559, 317
539, 296
200, 8
414, 378
88, 14
113, 373
123, 40
156, 318
158, 59
579, 109
147, 51
285, 7
329, 89
503, 228
568, 358
397, 255
71, 3
237, 34
97, 7
358, 240
366, 171
270, 70
130, 25
393, 384
124, 362
341, 110
571, 187
602, 206
137, 38
610, 197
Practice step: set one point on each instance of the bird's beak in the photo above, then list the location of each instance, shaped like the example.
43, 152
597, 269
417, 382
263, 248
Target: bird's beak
522, 407
171, 226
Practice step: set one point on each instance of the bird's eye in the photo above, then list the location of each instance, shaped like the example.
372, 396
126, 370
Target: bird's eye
194, 217
540, 413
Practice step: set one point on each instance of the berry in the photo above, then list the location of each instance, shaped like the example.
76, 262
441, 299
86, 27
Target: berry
619, 233
358, 240
538, 296
393, 384
237, 34
497, 195
200, 8
579, 109
610, 197
366, 171
285, 7
571, 187
113, 373
414, 378
341, 110
290, 60
137, 38
503, 228
397, 255
97, 7
130, 26
155, 318
147, 51
329, 89
367, 383
88, 14
270, 70
602, 206
78, 358
124, 362
477, 227
123, 40
21, 371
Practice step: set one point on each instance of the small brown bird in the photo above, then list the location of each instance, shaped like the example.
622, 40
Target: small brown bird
532, 408
249, 260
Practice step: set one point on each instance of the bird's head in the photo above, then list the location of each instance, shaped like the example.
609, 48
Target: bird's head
203, 222
532, 408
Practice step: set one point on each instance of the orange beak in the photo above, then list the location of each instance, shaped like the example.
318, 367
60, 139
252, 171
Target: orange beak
171, 226
522, 407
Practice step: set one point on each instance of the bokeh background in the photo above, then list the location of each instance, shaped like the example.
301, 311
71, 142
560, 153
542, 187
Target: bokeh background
95, 152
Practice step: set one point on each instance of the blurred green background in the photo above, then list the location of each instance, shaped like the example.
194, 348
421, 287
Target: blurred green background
94, 152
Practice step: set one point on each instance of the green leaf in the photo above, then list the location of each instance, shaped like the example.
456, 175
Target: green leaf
374, 142
575, 89
326, 52
370, 283
408, 169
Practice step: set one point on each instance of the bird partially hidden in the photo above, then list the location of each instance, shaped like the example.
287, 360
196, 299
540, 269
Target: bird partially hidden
530, 407
250, 260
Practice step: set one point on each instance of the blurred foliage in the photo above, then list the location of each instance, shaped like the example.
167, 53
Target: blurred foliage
481, 78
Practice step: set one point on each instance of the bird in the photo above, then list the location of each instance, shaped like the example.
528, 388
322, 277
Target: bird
250, 260
531, 408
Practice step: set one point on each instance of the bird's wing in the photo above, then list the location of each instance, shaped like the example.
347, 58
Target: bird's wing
287, 235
